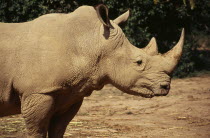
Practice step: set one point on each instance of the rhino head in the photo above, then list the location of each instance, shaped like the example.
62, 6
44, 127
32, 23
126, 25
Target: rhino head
143, 72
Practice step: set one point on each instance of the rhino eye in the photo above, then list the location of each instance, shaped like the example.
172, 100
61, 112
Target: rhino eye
139, 62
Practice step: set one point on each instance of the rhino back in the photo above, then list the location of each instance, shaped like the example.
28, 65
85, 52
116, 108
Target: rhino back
42, 54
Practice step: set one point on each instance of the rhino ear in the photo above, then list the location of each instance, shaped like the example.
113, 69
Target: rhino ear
122, 18
102, 12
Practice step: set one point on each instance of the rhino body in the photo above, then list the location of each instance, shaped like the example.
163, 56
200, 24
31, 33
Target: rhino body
50, 64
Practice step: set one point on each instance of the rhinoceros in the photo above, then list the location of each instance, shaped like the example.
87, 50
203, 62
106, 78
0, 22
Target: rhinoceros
50, 64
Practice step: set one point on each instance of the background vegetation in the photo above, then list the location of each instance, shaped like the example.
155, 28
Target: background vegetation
162, 19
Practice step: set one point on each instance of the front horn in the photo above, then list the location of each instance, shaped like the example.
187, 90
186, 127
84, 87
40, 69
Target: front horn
173, 56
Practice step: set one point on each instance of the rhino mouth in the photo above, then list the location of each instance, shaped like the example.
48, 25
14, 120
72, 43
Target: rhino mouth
143, 92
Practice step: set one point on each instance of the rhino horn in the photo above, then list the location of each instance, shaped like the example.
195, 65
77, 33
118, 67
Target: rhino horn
151, 48
122, 18
173, 56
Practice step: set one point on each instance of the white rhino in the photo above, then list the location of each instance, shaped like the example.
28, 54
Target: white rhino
50, 64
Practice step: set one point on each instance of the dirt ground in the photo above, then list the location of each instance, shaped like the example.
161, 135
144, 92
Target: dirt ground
183, 113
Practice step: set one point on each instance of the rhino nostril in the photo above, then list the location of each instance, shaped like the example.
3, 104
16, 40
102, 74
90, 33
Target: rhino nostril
165, 86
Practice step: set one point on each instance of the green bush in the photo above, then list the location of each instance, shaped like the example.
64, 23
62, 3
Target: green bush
26, 10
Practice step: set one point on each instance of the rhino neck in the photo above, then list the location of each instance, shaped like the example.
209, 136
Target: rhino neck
85, 33
83, 75
89, 85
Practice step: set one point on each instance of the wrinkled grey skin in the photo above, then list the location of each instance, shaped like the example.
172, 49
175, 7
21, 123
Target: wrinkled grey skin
50, 64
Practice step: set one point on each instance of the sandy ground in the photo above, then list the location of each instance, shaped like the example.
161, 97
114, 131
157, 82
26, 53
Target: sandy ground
183, 113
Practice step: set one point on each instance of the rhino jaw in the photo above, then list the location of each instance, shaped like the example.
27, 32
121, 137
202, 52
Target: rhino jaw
144, 92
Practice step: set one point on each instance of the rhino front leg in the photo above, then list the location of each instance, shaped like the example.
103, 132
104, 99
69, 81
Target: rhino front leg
37, 111
59, 123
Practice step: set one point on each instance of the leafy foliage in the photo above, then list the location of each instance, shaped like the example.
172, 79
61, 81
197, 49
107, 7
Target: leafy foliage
26, 10
162, 19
